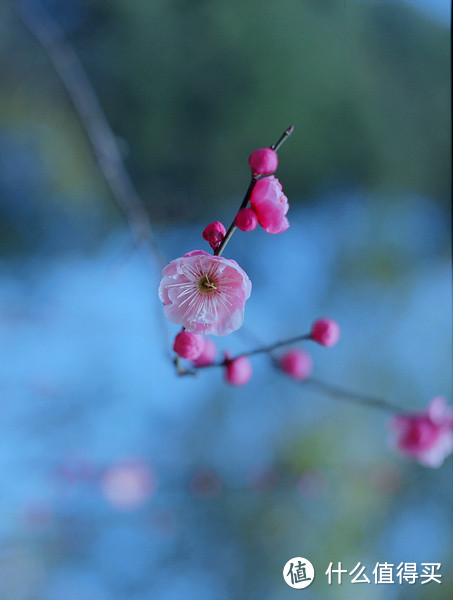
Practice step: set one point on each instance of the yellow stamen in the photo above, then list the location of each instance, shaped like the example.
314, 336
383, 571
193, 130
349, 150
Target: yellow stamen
206, 286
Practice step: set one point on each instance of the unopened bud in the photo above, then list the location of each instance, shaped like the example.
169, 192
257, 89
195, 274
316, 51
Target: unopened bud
214, 234
189, 345
298, 364
263, 161
246, 219
326, 332
238, 371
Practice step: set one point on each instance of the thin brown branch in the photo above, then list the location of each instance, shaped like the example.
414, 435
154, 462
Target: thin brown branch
103, 142
350, 396
86, 104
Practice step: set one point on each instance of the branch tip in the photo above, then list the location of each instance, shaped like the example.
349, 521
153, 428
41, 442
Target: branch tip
283, 138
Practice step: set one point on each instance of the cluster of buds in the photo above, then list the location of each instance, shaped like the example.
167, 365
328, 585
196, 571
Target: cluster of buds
206, 294
266, 203
297, 363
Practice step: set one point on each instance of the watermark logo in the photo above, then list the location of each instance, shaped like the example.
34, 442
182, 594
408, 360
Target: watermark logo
298, 572
385, 573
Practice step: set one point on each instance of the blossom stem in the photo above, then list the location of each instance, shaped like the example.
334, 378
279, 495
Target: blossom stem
260, 350
299, 338
363, 399
218, 251
331, 390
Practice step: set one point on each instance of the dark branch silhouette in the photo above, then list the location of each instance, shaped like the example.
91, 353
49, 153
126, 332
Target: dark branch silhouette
70, 70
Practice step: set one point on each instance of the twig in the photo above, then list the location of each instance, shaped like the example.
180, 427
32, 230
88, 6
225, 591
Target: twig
232, 228
100, 135
285, 135
86, 104
357, 398
260, 350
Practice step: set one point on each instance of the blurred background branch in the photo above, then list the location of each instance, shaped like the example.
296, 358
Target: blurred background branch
62, 55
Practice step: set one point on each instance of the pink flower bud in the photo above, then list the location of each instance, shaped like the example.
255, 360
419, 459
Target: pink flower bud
189, 345
263, 161
270, 204
246, 219
214, 234
298, 364
426, 435
238, 371
326, 332
208, 354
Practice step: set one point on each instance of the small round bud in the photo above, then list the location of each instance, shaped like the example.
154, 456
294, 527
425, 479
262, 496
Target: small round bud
326, 332
214, 234
208, 354
246, 219
189, 345
263, 161
238, 371
298, 364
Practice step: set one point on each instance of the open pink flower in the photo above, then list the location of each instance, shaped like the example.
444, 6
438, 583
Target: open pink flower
204, 293
270, 204
426, 436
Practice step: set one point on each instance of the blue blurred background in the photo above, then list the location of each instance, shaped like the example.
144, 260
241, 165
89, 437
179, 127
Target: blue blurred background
121, 481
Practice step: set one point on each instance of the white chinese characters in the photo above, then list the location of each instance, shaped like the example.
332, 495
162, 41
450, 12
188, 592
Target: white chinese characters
386, 573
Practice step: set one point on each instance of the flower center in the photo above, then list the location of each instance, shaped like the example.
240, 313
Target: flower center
206, 286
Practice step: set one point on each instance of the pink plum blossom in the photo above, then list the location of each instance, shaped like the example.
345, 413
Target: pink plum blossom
207, 357
263, 161
270, 204
246, 219
205, 294
297, 363
325, 332
214, 234
237, 371
426, 436
189, 345
128, 484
